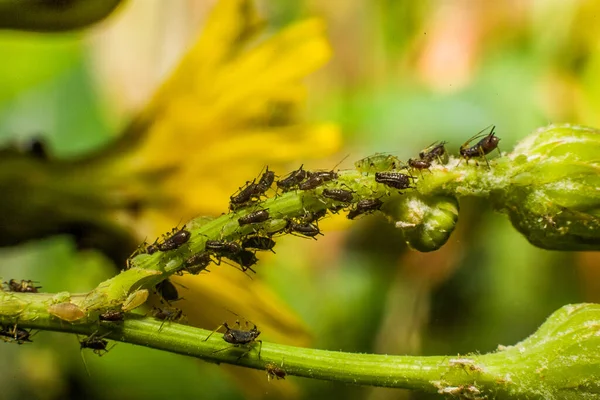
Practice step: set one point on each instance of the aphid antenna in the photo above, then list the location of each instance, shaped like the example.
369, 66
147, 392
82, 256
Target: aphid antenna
481, 133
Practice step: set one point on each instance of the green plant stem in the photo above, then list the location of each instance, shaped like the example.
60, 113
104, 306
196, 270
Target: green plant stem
560, 361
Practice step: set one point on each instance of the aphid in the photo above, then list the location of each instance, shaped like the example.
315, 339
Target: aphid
254, 217
167, 314
364, 207
342, 195
135, 299
292, 179
175, 241
304, 229
312, 182
245, 258
258, 242
112, 316
273, 371
419, 164
197, 263
483, 147
435, 151
69, 312
393, 179
167, 290
266, 180
314, 216
97, 343
239, 337
244, 196
23, 286
326, 176
15, 334
222, 247
153, 248
377, 163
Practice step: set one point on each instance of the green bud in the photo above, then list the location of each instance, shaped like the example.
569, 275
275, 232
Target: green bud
560, 361
426, 221
552, 194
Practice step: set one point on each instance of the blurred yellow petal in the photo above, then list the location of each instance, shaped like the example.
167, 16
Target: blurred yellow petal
232, 106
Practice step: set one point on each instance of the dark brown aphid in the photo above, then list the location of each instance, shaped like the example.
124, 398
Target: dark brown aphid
112, 316
254, 217
485, 146
14, 334
393, 179
304, 229
364, 207
266, 180
342, 195
292, 180
273, 371
312, 182
167, 290
258, 242
326, 176
97, 343
175, 241
197, 263
244, 196
153, 248
222, 247
167, 314
434, 151
245, 258
23, 286
239, 337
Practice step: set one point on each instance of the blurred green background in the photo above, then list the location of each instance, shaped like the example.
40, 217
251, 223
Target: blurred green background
403, 75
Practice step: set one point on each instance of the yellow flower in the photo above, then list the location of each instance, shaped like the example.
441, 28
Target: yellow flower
230, 108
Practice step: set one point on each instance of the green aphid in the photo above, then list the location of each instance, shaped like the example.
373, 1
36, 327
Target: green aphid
378, 162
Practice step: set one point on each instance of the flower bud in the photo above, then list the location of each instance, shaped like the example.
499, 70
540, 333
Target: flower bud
552, 191
426, 221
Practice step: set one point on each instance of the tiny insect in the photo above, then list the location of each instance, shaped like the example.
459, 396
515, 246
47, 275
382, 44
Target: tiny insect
323, 175
66, 311
97, 343
175, 241
197, 263
304, 229
364, 207
419, 164
167, 290
312, 182
393, 179
153, 248
254, 217
239, 337
112, 316
14, 334
437, 151
244, 196
222, 247
266, 180
167, 314
345, 196
273, 371
24, 286
258, 242
245, 258
378, 162
486, 145
314, 216
292, 180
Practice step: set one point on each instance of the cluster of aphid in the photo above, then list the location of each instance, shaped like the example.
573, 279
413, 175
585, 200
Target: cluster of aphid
387, 170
